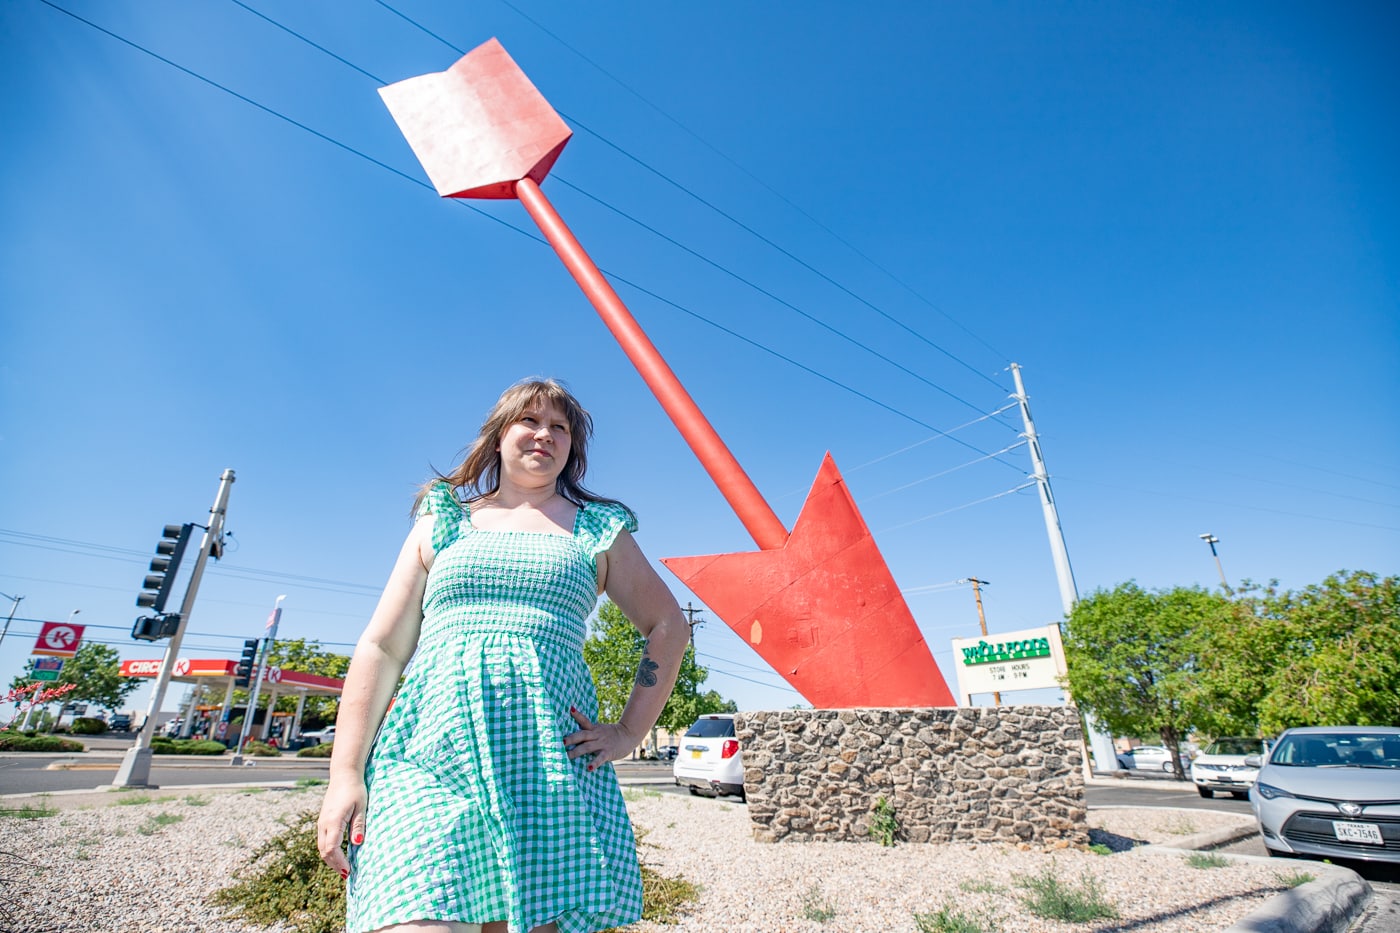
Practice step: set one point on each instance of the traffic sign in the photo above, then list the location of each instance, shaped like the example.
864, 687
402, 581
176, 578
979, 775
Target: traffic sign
47, 664
58, 639
43, 675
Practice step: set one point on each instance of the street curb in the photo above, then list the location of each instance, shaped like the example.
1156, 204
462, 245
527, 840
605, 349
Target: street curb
1326, 905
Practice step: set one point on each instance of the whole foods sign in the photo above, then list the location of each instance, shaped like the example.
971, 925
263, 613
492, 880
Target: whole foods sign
1025, 660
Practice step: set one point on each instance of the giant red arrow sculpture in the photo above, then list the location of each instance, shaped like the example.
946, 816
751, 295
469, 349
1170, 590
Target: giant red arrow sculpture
819, 604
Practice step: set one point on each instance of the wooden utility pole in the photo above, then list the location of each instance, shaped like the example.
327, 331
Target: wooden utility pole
982, 619
690, 613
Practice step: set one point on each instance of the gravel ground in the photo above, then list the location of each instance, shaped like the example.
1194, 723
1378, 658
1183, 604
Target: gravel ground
108, 865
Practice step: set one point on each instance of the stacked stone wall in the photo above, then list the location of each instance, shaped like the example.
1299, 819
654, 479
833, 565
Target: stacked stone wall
967, 774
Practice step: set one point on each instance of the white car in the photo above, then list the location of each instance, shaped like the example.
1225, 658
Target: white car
708, 760
1151, 758
1221, 767
321, 737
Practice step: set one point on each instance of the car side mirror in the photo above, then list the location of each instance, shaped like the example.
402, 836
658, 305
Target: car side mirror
1253, 761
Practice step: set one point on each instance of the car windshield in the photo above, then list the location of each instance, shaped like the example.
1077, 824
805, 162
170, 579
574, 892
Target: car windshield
1338, 749
711, 728
1235, 747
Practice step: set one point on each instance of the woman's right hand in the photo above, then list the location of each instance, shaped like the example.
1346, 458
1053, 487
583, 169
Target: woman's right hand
344, 805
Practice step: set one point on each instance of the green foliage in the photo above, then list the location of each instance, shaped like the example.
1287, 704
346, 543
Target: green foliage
1134, 658
1049, 897
29, 742
162, 745
1293, 879
311, 782
308, 657
614, 649
948, 919
285, 880
884, 825
816, 907
1207, 860
27, 812
156, 822
260, 749
1099, 848
316, 751
96, 673
87, 725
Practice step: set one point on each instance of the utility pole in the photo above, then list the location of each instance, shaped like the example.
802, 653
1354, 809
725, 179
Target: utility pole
13, 608
135, 770
982, 619
690, 613
269, 636
1212, 540
1100, 742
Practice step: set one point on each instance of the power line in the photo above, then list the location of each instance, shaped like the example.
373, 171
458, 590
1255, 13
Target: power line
958, 508
779, 195
353, 151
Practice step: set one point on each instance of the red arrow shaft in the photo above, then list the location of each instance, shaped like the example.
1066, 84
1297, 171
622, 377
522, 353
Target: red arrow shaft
734, 484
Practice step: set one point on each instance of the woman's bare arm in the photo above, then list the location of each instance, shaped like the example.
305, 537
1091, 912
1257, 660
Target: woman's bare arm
632, 583
381, 654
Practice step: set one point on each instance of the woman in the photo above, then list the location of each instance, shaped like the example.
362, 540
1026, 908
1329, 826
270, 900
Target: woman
487, 797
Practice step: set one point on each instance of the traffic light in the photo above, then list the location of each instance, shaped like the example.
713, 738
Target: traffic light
158, 582
153, 628
243, 673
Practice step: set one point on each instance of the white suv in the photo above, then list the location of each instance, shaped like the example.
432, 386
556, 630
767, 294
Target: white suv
708, 761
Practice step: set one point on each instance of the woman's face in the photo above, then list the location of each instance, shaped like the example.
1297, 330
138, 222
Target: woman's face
535, 447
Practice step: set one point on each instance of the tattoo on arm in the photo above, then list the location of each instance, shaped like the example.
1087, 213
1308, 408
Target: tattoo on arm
646, 670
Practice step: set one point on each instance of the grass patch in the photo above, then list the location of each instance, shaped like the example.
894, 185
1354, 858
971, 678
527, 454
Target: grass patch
1050, 897
255, 790
1206, 860
132, 800
980, 887
633, 794
196, 800
816, 907
1294, 878
884, 825
1099, 848
158, 821
28, 812
948, 919
311, 782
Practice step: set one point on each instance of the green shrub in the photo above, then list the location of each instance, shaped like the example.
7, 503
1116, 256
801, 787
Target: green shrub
87, 725
1053, 899
884, 825
316, 751
29, 742
948, 919
168, 746
261, 749
285, 880
1206, 860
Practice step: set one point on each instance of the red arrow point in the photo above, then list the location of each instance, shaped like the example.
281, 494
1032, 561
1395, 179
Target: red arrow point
823, 609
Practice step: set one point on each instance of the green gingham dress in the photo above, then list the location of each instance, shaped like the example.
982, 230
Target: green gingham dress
476, 813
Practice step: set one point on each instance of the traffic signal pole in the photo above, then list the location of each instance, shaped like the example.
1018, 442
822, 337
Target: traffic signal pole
135, 770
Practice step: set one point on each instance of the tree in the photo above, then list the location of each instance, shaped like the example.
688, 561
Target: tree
308, 657
1134, 658
95, 673
612, 652
1339, 654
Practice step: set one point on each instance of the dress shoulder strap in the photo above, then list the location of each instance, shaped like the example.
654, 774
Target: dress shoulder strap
442, 503
599, 524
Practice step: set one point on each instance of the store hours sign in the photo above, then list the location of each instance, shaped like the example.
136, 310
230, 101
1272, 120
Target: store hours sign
1027, 660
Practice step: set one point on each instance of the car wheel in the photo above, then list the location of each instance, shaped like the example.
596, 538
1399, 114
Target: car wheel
1205, 792
1166, 766
1240, 794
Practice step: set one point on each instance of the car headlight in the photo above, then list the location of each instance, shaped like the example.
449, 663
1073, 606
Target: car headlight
1269, 791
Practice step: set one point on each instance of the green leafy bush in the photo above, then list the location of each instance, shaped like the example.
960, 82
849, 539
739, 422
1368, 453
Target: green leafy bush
1050, 897
87, 725
165, 746
285, 880
261, 749
29, 742
884, 825
316, 751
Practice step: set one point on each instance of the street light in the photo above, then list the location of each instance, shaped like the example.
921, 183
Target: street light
1212, 540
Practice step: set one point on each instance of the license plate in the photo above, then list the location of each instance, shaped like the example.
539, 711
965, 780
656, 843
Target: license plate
695, 754
1368, 833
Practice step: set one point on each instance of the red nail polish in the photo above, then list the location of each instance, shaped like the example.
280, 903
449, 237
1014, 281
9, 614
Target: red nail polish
359, 838
344, 874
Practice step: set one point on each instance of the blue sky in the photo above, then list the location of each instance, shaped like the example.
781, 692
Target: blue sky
1180, 219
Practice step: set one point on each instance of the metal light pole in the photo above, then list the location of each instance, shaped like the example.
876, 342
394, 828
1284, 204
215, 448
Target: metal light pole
135, 770
1212, 540
269, 637
14, 607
